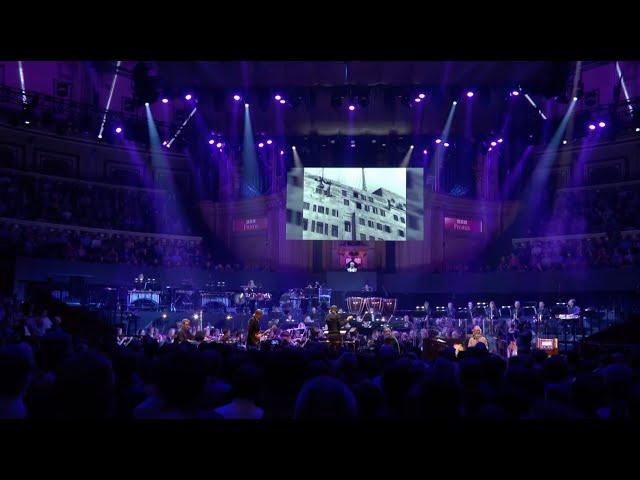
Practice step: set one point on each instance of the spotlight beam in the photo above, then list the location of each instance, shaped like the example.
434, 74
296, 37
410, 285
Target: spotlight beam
407, 158
533, 104
441, 148
181, 127
296, 158
624, 87
540, 175
106, 110
24, 91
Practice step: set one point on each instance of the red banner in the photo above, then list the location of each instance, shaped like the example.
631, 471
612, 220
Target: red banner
464, 225
249, 224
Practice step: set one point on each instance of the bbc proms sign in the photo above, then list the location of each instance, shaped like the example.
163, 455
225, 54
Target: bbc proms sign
462, 225
241, 225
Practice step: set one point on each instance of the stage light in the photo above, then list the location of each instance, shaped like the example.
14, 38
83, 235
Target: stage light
281, 152
373, 140
165, 100
261, 145
118, 130
637, 129
211, 142
236, 97
602, 124
353, 145
417, 100
195, 316
564, 142
494, 144
352, 107
293, 147
422, 95
164, 143
500, 140
27, 122
411, 146
146, 104
515, 93
106, 110
269, 142
164, 315
490, 149
282, 101
219, 145
188, 96
446, 144
438, 140
469, 94
246, 105
575, 99
278, 97
424, 151
592, 126
455, 103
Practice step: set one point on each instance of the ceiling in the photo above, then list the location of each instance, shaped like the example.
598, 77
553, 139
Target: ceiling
246, 74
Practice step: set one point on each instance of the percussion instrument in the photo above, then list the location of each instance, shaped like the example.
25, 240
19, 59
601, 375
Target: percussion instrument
216, 297
143, 295
375, 304
355, 305
389, 306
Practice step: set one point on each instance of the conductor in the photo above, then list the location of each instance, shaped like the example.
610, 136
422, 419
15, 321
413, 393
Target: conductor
334, 322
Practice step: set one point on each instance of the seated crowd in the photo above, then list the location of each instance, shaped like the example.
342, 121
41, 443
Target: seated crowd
45, 372
58, 200
602, 210
613, 251
40, 241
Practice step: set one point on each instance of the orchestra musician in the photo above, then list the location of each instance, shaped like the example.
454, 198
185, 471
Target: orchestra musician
390, 339
367, 287
470, 313
492, 311
253, 330
477, 337
185, 332
572, 308
451, 311
516, 313
543, 317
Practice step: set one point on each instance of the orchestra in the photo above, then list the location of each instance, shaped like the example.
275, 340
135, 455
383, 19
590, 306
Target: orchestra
306, 319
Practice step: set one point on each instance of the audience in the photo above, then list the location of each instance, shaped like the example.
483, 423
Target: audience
56, 375
58, 200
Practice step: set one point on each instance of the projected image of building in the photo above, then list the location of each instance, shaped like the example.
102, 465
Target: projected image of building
334, 210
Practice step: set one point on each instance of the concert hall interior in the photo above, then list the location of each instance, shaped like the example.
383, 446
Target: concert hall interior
319, 240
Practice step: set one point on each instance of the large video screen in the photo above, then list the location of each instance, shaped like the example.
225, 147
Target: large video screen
355, 204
